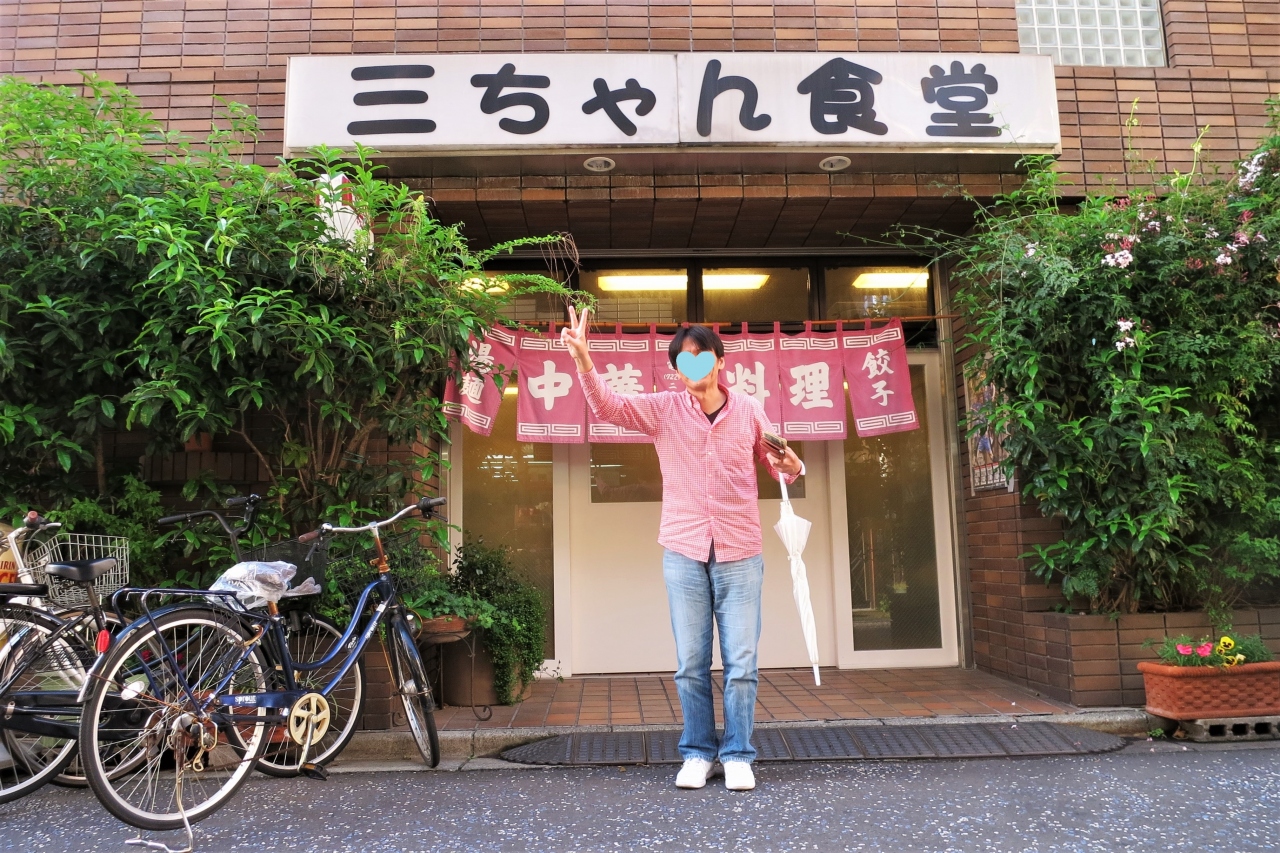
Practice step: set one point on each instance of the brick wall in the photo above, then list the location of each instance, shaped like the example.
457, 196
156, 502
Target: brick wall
1225, 33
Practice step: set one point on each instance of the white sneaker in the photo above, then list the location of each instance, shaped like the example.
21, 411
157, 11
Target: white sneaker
738, 776
694, 773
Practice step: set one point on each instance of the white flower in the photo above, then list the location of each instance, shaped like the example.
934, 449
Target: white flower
1031, 249
1250, 170
1124, 342
1154, 225
1210, 233
1223, 259
1120, 259
1259, 237
1124, 324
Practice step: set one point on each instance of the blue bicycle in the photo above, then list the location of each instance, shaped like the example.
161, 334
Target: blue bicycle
176, 716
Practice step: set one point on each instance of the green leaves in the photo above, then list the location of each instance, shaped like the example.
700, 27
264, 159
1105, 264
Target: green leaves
1134, 345
151, 281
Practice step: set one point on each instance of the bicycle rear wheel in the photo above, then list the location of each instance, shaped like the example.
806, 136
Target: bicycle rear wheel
414, 689
42, 674
159, 735
312, 638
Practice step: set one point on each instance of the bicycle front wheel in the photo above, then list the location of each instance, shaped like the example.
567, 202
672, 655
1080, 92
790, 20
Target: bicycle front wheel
310, 639
160, 735
415, 691
42, 672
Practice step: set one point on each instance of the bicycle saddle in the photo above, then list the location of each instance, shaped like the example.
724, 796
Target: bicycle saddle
15, 590
81, 571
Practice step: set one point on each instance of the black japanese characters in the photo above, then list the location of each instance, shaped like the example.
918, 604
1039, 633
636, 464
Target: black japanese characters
841, 97
494, 101
964, 94
608, 100
391, 96
713, 85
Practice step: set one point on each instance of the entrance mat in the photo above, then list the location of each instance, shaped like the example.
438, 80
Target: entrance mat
829, 743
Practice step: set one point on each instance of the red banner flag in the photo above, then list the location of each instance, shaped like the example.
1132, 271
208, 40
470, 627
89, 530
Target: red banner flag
475, 401
666, 377
625, 364
751, 367
875, 367
550, 407
812, 380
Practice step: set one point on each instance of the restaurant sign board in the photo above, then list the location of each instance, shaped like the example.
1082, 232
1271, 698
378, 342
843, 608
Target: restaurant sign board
530, 102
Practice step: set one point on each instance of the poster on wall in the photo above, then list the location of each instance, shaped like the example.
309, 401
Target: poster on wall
812, 372
476, 399
986, 443
625, 364
875, 367
550, 406
751, 368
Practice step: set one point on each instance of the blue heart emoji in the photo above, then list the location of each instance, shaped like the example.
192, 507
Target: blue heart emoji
694, 367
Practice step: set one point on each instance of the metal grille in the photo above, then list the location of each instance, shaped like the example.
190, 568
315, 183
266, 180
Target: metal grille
829, 743
65, 547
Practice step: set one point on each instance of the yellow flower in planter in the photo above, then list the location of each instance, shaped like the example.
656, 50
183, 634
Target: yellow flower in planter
1233, 660
1226, 644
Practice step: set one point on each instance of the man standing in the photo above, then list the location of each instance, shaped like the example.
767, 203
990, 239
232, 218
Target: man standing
707, 438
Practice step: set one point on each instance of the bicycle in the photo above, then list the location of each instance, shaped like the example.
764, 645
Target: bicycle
199, 687
309, 636
44, 659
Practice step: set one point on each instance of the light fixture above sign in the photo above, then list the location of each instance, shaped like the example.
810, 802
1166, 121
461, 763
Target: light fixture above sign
519, 104
834, 163
892, 279
598, 164
679, 281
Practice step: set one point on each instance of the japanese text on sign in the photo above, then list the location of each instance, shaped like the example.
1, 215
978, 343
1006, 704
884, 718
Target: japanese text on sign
522, 101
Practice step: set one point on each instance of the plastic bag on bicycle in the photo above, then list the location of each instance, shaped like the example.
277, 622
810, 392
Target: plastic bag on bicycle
256, 583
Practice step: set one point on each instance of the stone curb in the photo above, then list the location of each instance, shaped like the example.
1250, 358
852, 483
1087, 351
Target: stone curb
463, 744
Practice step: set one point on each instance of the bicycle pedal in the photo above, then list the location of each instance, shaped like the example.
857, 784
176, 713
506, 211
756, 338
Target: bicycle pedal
314, 771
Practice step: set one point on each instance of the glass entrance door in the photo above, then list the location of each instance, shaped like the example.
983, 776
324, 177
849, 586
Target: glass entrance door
901, 590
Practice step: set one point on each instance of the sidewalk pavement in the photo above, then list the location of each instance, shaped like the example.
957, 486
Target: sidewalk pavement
787, 697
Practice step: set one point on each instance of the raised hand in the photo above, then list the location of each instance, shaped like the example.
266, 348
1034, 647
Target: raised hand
574, 337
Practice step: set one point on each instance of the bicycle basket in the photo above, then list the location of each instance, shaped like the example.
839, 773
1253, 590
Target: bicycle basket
352, 570
64, 547
310, 558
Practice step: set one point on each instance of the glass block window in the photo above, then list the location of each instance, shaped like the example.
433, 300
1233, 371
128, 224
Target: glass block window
1093, 32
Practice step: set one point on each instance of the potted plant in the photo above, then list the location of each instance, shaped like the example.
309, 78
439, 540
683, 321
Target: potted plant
442, 615
510, 650
1234, 677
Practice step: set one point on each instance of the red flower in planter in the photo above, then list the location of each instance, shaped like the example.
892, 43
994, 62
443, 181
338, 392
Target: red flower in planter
1205, 650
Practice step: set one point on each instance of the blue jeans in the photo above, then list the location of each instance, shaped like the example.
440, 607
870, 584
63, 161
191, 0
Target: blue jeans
729, 593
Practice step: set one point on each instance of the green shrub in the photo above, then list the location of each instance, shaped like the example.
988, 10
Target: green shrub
516, 638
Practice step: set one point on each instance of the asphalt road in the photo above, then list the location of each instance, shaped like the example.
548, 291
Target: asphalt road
1135, 800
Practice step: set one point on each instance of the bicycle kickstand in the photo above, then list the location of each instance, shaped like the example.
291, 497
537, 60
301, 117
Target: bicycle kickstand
186, 824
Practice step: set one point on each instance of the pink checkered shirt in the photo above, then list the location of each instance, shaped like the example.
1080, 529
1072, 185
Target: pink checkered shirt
708, 469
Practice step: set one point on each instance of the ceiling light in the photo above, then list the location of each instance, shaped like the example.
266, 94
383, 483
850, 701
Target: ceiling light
657, 281
892, 280
834, 163
680, 281
734, 281
488, 285
598, 164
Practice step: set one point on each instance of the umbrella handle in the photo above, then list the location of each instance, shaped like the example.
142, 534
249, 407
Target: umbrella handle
782, 481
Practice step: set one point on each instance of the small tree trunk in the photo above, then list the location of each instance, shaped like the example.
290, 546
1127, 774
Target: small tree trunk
100, 463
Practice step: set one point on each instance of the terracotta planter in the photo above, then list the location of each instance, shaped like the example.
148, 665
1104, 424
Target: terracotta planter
1202, 692
444, 629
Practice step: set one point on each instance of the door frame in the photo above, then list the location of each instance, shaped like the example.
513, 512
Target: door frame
847, 654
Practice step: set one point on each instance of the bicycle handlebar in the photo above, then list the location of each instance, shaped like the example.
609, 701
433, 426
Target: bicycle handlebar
425, 507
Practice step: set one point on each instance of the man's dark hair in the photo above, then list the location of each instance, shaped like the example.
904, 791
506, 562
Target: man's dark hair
703, 338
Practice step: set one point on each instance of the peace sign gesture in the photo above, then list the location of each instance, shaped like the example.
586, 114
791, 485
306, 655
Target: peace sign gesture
574, 337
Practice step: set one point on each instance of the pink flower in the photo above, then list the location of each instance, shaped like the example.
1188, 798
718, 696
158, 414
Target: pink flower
1184, 648
1205, 650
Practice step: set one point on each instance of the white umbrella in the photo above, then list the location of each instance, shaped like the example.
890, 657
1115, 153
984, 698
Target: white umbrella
794, 533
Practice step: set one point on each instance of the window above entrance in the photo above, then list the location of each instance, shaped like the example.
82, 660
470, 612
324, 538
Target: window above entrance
755, 294
1093, 32
856, 293
638, 295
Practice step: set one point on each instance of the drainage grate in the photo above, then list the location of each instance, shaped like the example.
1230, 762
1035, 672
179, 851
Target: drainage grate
825, 743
